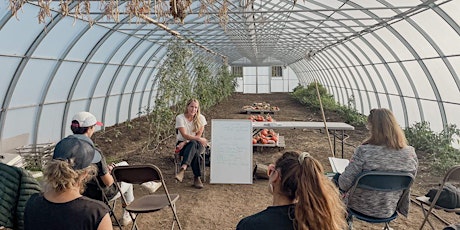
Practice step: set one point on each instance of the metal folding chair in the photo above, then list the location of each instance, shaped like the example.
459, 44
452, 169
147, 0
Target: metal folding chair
110, 203
379, 181
178, 162
138, 174
452, 175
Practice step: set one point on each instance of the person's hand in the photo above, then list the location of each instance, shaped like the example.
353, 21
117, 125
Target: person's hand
110, 167
203, 141
180, 146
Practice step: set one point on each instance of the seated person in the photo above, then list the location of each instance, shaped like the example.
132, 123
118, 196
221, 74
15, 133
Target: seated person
83, 127
190, 143
303, 197
16, 187
385, 150
62, 205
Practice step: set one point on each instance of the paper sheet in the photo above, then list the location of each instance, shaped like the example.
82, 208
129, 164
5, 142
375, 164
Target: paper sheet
338, 164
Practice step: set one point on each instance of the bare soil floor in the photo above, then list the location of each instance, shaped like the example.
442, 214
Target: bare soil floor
221, 206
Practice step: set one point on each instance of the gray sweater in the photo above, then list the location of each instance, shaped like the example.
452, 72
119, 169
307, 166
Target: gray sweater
378, 158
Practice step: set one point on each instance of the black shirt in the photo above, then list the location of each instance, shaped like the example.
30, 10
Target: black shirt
79, 214
272, 218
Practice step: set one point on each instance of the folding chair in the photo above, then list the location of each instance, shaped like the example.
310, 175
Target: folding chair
379, 181
178, 163
452, 175
138, 174
110, 203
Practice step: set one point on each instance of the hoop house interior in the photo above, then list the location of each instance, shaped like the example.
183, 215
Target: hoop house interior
401, 55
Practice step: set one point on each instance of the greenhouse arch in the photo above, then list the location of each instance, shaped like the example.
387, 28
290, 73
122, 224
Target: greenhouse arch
401, 55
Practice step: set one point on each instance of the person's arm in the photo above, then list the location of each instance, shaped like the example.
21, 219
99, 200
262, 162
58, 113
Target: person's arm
107, 179
197, 137
201, 139
354, 168
199, 133
106, 223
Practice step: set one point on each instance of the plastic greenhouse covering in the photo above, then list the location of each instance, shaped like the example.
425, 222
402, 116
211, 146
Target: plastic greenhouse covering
104, 56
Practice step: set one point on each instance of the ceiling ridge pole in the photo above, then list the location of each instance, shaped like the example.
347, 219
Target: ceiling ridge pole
178, 35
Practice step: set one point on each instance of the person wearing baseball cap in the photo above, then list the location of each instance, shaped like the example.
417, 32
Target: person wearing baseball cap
78, 152
65, 177
83, 127
86, 119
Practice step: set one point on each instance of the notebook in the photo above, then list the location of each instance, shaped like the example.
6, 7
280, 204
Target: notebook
338, 164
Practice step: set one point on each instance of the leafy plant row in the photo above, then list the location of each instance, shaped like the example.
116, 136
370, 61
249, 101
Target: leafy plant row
438, 146
309, 97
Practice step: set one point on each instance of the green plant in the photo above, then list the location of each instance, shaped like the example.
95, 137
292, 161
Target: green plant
309, 97
438, 146
202, 89
351, 116
117, 133
175, 87
421, 137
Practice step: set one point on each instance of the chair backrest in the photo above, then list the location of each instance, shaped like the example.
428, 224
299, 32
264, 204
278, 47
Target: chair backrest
452, 175
137, 174
384, 181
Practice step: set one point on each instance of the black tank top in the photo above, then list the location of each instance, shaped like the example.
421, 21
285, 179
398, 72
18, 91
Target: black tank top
79, 214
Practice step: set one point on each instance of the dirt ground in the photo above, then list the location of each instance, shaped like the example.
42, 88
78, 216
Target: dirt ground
221, 206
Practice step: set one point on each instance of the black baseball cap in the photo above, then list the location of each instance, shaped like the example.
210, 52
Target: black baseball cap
80, 152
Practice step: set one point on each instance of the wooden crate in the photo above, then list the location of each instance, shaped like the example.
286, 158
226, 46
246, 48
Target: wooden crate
36, 156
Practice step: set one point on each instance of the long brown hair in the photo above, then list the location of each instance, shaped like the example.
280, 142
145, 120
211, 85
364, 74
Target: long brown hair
385, 130
318, 203
196, 119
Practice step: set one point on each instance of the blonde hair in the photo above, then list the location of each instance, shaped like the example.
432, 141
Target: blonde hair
384, 130
318, 203
197, 125
60, 176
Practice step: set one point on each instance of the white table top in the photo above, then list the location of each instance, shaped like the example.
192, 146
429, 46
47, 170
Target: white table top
302, 124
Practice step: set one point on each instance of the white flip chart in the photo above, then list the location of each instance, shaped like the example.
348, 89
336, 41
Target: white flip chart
231, 151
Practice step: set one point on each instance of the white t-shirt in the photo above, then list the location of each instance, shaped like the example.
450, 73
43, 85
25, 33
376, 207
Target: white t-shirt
181, 121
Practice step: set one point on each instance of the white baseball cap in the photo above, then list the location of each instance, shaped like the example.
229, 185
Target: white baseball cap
86, 119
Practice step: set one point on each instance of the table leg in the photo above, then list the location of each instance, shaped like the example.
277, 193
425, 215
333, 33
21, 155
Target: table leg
343, 134
334, 143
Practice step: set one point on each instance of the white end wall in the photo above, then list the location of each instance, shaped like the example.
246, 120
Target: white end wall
259, 80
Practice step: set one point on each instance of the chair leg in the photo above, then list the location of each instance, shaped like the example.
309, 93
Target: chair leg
135, 221
426, 217
387, 226
350, 222
176, 165
176, 219
203, 167
112, 213
117, 222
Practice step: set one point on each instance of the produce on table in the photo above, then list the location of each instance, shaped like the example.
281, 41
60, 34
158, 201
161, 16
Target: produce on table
265, 136
259, 117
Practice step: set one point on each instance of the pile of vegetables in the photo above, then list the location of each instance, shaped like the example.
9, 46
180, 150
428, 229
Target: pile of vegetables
265, 136
259, 117
261, 106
